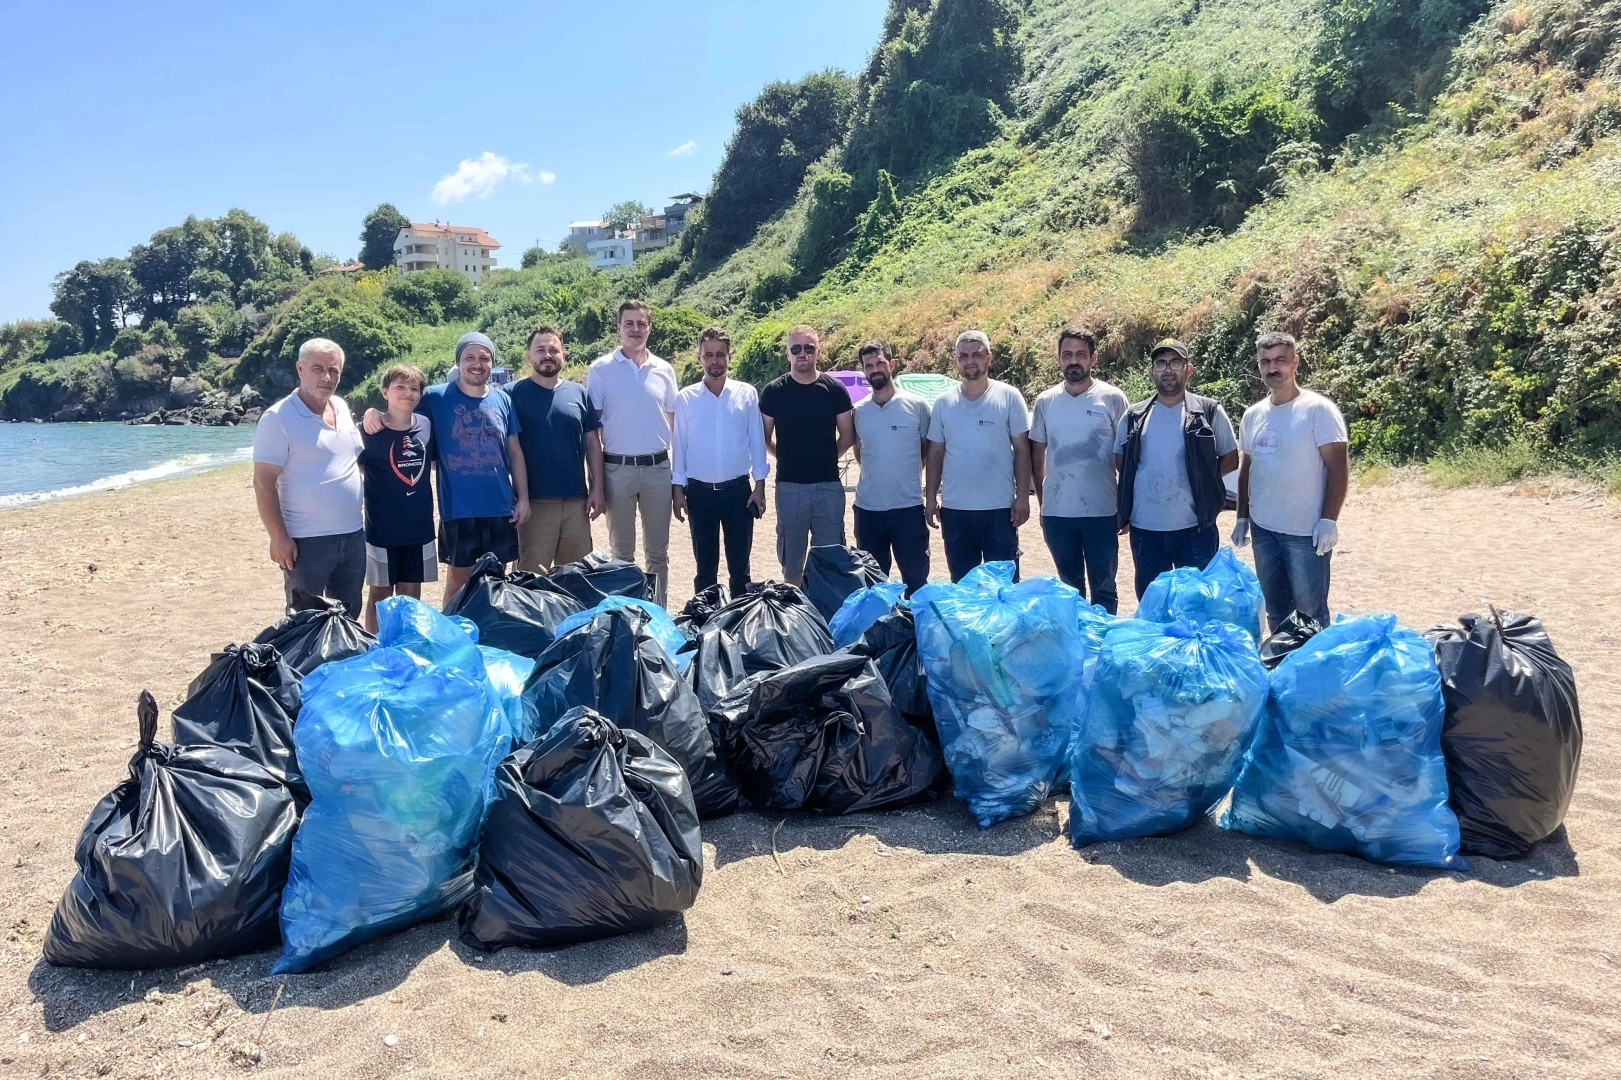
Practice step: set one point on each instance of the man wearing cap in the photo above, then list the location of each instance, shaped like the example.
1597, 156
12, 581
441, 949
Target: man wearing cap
1172, 451
478, 463
1292, 478
634, 392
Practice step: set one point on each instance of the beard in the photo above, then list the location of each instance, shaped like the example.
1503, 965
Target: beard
878, 380
1077, 374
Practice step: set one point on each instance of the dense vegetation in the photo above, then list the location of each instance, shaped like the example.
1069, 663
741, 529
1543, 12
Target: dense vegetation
1426, 192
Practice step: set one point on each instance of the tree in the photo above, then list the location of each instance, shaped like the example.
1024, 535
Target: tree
244, 251
433, 296
162, 267
96, 298
534, 257
197, 333
623, 215
378, 233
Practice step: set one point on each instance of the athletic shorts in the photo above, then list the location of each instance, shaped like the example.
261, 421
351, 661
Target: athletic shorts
463, 540
411, 564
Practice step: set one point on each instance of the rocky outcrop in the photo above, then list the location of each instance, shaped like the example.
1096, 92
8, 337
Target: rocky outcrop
191, 402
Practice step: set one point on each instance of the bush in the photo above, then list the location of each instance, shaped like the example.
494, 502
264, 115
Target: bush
433, 296
349, 312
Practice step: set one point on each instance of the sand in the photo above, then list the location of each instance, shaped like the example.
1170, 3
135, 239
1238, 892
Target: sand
903, 944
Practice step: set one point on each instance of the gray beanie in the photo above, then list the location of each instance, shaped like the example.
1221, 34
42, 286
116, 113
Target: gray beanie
473, 337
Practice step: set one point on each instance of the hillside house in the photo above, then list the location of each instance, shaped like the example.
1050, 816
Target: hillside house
467, 250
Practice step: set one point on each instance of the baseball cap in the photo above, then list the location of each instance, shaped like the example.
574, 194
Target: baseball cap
1169, 345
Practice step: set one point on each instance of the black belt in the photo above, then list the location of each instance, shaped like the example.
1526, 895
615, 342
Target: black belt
637, 459
724, 485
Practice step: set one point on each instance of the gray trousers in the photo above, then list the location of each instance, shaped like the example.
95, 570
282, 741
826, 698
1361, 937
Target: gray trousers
332, 566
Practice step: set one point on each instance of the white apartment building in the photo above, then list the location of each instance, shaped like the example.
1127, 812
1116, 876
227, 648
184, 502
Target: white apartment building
453, 247
616, 250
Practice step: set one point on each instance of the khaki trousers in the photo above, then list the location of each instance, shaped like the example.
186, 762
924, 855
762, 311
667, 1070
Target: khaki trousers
558, 531
644, 488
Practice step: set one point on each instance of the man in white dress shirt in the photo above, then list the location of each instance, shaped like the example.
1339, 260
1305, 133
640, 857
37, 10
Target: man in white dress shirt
720, 465
634, 393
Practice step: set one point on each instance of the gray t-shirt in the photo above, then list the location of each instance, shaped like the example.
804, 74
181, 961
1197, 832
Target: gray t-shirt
978, 470
1078, 431
320, 484
891, 438
1161, 500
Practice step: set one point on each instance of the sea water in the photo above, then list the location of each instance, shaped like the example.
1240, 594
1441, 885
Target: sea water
40, 462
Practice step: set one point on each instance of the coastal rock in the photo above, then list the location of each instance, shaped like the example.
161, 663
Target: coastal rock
250, 398
186, 393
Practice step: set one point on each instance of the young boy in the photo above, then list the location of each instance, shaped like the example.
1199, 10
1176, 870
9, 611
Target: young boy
400, 552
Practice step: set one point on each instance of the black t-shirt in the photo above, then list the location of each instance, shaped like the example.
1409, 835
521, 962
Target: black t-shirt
553, 436
807, 428
394, 470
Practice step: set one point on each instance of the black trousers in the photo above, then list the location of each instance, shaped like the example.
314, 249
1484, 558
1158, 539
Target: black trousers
904, 533
711, 511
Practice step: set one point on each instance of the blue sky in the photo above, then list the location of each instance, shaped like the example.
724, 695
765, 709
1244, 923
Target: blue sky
119, 119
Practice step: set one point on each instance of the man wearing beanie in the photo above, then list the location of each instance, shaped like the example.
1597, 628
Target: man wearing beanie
483, 485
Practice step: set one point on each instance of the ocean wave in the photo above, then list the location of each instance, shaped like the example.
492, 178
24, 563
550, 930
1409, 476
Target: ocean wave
180, 466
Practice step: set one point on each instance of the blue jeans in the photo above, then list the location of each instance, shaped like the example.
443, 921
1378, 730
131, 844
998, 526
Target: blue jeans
1086, 548
1293, 576
903, 532
1153, 552
978, 536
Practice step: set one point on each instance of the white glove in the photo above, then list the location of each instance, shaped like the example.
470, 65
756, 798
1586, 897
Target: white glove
1325, 536
1241, 532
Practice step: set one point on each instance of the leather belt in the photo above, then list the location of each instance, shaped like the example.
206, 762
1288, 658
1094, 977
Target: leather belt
724, 485
637, 459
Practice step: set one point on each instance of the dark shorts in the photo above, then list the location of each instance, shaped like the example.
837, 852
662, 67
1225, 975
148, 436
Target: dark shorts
463, 540
411, 564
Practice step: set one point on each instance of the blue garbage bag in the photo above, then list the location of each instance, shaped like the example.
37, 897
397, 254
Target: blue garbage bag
861, 609
399, 747
1348, 754
507, 673
1226, 589
1171, 710
1003, 663
663, 628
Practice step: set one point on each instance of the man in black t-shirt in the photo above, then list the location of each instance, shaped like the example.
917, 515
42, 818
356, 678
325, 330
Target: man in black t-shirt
400, 550
808, 425
562, 445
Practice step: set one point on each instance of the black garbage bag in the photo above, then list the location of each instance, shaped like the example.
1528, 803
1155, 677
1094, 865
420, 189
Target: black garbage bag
246, 700
834, 571
1513, 731
184, 861
592, 833
615, 665
824, 735
317, 632
518, 612
697, 612
775, 627
1292, 633
596, 577
891, 643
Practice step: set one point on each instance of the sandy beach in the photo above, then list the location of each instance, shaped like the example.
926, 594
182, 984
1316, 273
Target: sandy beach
903, 944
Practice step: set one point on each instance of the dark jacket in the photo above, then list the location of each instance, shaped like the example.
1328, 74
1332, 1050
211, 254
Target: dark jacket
1204, 464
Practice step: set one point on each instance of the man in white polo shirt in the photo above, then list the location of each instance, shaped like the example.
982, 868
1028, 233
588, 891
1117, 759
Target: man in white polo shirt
1293, 472
891, 428
634, 393
307, 482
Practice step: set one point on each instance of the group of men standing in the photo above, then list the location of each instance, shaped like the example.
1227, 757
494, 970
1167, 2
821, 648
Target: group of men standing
522, 472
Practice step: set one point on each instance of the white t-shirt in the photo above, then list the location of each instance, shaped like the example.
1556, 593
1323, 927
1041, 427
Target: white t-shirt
632, 400
1161, 499
1287, 474
320, 486
1078, 431
978, 470
891, 438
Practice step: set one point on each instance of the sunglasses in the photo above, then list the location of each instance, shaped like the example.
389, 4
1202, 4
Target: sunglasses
802, 350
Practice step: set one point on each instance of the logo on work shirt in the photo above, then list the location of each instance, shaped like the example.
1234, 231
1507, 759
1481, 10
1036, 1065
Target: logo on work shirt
406, 456
1267, 441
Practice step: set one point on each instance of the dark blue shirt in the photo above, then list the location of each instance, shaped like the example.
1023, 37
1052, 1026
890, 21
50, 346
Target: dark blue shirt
399, 502
470, 451
553, 437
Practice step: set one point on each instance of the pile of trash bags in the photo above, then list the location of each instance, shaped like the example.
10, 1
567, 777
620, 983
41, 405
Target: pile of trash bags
318, 632
1292, 633
398, 746
593, 832
596, 577
1512, 737
1170, 712
614, 664
833, 572
1347, 756
660, 625
774, 626
1225, 590
1004, 663
183, 862
246, 700
518, 612
824, 735
701, 608
891, 644
861, 609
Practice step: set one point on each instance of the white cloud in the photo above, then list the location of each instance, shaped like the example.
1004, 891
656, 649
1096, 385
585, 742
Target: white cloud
479, 177
546, 177
684, 150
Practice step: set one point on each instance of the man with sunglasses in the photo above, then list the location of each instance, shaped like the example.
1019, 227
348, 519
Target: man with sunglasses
1172, 451
808, 425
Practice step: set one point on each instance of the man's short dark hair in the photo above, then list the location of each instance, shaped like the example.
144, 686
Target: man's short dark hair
1079, 333
544, 328
873, 345
714, 333
634, 305
1272, 339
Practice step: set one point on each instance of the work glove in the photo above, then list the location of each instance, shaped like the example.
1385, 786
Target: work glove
1325, 536
1241, 532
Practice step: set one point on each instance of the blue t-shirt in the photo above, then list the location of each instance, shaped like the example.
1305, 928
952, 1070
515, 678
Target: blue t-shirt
553, 436
470, 451
394, 467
